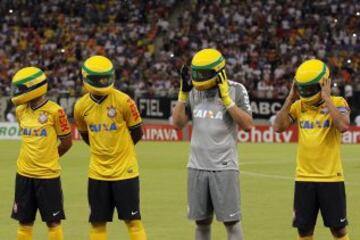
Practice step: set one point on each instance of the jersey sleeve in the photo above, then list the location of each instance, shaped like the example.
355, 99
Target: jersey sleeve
18, 113
242, 99
342, 105
79, 119
293, 113
131, 114
61, 122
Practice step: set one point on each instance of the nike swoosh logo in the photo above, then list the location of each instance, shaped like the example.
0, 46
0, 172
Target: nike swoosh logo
56, 213
233, 214
134, 213
343, 220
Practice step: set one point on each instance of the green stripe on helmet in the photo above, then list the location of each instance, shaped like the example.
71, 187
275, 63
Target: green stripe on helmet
317, 79
209, 66
90, 72
28, 79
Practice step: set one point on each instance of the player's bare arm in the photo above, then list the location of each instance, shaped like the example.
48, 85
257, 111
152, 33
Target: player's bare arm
65, 144
179, 115
136, 134
341, 120
242, 118
283, 120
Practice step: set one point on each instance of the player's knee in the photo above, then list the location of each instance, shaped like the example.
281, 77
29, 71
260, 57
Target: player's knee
134, 225
53, 224
204, 222
230, 224
306, 232
26, 224
338, 232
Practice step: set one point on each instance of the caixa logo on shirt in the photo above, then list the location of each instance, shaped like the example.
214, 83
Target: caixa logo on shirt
199, 113
314, 124
34, 132
98, 127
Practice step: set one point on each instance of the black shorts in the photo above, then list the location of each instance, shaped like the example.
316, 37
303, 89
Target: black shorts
104, 196
328, 197
43, 194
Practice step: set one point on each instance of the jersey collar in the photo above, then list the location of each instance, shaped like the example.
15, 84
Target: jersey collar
98, 100
39, 106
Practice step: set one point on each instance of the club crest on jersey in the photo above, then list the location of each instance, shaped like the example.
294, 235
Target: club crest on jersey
111, 112
43, 118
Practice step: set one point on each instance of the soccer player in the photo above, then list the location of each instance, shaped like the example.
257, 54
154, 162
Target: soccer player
319, 181
109, 122
42, 123
216, 107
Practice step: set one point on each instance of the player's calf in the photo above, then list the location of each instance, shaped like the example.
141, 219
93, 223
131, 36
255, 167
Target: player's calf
136, 230
55, 231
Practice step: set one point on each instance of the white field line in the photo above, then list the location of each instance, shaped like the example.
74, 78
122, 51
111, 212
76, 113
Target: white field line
255, 174
280, 177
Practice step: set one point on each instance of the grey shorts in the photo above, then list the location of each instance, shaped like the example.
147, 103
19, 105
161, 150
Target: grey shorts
214, 191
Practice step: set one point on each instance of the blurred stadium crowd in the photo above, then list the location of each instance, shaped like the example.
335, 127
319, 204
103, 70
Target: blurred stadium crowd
263, 41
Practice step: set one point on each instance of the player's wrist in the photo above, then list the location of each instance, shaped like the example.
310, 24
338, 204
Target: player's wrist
183, 96
228, 102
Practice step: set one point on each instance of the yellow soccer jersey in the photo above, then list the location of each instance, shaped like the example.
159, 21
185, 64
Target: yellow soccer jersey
40, 129
318, 155
107, 123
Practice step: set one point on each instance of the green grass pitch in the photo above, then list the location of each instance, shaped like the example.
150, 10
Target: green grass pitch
266, 188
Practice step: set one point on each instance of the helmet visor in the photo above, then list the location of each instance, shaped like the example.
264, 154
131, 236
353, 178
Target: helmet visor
99, 80
200, 75
21, 88
308, 90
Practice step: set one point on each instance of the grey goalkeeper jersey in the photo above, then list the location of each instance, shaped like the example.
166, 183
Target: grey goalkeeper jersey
214, 133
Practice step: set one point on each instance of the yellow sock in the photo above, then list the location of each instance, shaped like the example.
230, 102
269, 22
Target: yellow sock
98, 232
24, 232
346, 237
56, 233
136, 230
305, 238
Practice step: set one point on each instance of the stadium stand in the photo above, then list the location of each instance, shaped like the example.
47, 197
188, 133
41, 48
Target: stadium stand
263, 41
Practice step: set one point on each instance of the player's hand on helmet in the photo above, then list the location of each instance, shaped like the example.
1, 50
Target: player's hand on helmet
185, 84
293, 94
223, 87
326, 89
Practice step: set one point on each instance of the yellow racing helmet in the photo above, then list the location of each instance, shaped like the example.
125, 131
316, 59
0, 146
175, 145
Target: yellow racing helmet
98, 75
308, 79
27, 84
205, 68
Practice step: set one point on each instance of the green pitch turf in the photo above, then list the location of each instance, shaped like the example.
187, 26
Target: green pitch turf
266, 188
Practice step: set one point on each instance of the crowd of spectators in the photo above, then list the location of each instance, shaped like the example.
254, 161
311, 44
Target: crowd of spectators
262, 41
58, 35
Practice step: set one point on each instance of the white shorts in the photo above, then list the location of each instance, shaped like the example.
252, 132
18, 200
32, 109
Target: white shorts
214, 191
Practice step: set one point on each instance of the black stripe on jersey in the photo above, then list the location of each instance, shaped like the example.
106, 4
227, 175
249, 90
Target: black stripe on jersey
64, 135
135, 126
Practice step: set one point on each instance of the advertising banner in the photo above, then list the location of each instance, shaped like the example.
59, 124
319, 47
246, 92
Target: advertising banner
166, 132
160, 108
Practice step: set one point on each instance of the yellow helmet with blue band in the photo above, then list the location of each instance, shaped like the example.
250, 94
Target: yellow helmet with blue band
308, 79
98, 75
205, 68
27, 84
